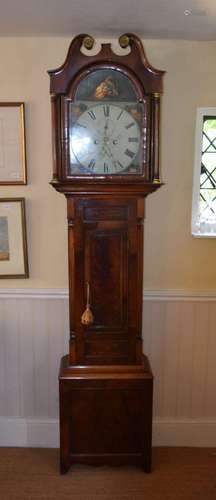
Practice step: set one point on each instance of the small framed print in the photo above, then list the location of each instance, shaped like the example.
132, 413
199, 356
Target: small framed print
12, 143
13, 241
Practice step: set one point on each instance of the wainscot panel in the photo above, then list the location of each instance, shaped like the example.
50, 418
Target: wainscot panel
179, 338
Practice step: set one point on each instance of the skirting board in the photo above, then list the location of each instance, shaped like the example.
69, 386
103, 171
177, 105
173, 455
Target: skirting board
20, 432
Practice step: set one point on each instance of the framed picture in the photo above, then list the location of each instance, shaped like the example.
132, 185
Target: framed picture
12, 143
13, 241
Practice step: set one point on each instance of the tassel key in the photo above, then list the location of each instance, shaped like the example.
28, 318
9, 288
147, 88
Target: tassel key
87, 317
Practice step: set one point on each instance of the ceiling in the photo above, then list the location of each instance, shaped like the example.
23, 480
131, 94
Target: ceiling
147, 18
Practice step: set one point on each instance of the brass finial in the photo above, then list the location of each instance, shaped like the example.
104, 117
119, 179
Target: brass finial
124, 41
88, 42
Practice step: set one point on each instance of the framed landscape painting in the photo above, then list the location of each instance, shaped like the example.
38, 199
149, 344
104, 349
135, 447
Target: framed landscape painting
13, 241
12, 143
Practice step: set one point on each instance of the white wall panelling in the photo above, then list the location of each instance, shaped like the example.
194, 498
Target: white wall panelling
33, 336
179, 337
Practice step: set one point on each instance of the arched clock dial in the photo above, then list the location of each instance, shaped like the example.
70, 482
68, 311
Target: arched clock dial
105, 139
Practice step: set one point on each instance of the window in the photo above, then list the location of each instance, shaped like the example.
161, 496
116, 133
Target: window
204, 188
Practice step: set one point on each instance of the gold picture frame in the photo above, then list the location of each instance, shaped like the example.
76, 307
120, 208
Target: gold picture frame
13, 239
13, 168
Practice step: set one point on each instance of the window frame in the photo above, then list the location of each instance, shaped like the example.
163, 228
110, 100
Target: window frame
201, 113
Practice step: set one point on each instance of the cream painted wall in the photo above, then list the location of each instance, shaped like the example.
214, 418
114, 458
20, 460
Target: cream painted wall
173, 258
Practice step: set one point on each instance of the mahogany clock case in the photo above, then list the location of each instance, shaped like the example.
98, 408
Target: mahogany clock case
105, 381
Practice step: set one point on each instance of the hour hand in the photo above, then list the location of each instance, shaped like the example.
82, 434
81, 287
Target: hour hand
106, 150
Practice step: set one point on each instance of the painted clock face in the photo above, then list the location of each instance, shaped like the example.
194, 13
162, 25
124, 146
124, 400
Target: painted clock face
106, 126
105, 139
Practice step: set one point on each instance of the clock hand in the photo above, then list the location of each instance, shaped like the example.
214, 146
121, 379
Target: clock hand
105, 151
107, 139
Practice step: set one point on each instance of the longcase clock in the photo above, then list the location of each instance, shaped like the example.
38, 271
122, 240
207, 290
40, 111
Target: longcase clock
105, 124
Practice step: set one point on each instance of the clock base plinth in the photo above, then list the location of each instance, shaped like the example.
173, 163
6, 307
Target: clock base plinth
105, 414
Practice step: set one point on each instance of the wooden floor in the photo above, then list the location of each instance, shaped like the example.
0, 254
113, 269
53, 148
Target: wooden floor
179, 473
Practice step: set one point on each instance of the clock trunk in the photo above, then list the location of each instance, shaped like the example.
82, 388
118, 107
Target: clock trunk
105, 251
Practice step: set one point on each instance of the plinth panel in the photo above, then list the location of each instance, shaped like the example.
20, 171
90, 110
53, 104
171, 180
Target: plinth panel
106, 416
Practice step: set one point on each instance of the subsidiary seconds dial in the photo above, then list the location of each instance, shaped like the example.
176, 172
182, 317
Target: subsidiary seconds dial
105, 139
